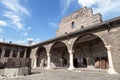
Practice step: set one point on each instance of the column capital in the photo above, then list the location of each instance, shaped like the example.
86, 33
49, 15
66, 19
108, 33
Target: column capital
71, 51
108, 47
49, 54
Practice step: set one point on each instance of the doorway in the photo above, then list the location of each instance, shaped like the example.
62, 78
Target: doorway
75, 63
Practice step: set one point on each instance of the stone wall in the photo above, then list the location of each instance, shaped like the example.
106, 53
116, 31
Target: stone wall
112, 38
90, 50
81, 18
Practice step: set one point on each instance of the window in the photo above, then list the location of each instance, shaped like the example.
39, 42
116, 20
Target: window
73, 24
82, 27
7, 52
65, 33
15, 51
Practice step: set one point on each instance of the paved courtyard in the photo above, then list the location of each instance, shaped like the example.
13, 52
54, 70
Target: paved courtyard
63, 74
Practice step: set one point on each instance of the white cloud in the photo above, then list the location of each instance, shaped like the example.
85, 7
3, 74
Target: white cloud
1, 30
14, 13
30, 39
29, 28
25, 34
105, 7
51, 24
2, 23
65, 4
15, 6
33, 41
14, 19
21, 41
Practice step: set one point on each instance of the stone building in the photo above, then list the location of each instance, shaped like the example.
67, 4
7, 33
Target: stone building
82, 41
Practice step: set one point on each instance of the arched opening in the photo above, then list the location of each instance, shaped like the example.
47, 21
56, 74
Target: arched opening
90, 52
0, 52
28, 53
15, 51
41, 57
22, 50
7, 51
1, 65
59, 55
73, 24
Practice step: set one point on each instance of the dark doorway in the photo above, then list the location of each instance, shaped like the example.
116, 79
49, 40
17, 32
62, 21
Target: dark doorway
84, 62
65, 61
75, 63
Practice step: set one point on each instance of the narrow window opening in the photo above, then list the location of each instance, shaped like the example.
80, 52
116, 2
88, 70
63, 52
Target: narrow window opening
73, 24
82, 27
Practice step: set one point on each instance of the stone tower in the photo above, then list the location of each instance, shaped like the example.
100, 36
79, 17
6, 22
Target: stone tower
79, 19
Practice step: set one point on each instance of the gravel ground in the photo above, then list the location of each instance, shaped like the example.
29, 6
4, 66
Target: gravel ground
63, 74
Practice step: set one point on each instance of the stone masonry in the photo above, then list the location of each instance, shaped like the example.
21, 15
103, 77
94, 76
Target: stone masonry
79, 19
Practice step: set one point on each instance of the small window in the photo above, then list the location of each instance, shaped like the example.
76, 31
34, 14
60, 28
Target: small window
82, 27
73, 24
65, 33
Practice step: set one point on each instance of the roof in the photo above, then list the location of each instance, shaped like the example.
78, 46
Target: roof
102, 25
12, 44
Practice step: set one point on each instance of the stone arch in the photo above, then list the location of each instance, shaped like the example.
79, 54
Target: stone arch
90, 52
103, 40
41, 57
59, 55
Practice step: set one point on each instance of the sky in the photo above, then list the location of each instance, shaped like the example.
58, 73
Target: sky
38, 20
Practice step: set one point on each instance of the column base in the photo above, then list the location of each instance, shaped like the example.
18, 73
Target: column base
34, 67
111, 71
71, 68
48, 68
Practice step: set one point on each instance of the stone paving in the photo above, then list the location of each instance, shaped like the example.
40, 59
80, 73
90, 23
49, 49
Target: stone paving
63, 74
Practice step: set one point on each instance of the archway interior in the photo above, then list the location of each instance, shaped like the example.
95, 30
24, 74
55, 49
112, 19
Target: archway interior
90, 52
22, 50
59, 55
0, 52
7, 51
41, 57
15, 51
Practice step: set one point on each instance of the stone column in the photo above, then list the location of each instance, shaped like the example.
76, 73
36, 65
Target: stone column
33, 57
111, 68
48, 61
25, 53
3, 51
11, 52
48, 47
34, 62
71, 67
18, 54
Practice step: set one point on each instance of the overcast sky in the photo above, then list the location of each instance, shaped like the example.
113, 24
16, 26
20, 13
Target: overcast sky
37, 20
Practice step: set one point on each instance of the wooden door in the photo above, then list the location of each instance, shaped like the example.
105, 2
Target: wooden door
97, 62
104, 63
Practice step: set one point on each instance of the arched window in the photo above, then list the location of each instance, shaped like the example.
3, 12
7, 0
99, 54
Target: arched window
22, 52
82, 27
65, 33
15, 51
7, 51
73, 24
